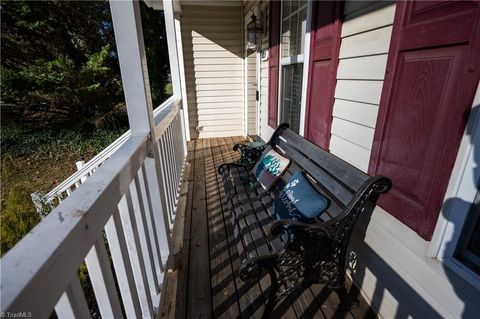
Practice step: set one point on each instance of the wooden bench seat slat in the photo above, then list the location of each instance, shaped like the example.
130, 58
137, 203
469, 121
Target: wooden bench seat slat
240, 204
247, 221
265, 220
240, 240
264, 216
267, 201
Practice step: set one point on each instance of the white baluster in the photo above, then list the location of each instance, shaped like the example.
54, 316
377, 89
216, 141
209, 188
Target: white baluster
123, 267
127, 215
102, 281
72, 303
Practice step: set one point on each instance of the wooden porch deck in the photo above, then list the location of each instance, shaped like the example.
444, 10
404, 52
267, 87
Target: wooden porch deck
204, 285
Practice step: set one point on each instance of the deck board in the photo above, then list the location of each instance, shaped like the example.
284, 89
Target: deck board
224, 292
201, 282
199, 300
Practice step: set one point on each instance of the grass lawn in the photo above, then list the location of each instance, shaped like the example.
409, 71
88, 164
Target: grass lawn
37, 162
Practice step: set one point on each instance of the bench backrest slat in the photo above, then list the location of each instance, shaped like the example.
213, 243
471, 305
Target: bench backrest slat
333, 177
331, 185
349, 175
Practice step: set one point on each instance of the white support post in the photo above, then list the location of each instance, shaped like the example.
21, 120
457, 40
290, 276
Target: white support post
175, 54
133, 65
183, 85
127, 26
172, 47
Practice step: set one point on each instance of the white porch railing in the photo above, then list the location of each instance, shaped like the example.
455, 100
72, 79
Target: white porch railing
65, 188
120, 206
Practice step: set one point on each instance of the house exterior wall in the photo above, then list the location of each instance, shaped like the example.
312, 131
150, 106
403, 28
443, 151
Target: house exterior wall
390, 262
213, 58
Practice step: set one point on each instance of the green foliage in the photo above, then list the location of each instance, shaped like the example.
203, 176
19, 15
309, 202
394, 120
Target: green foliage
8, 167
169, 89
59, 64
156, 50
88, 291
17, 218
53, 144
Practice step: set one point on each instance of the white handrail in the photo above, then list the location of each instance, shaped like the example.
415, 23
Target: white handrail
65, 188
43, 262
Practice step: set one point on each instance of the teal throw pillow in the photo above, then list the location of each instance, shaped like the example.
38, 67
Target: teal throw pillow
299, 201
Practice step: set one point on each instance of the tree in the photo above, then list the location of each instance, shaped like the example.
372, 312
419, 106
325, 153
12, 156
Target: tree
155, 38
59, 63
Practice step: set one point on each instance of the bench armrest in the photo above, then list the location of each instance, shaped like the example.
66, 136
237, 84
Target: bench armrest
249, 155
246, 146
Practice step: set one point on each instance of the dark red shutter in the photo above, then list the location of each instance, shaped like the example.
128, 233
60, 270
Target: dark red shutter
431, 78
273, 62
324, 49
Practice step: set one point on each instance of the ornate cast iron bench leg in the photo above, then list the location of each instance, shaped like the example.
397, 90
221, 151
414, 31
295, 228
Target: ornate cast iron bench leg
345, 302
272, 296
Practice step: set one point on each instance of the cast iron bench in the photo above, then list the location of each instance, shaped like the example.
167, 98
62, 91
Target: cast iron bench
296, 254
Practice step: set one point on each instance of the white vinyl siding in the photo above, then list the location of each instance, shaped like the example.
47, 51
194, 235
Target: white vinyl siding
212, 45
366, 33
251, 84
392, 267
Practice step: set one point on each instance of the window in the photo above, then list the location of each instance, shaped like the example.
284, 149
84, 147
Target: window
293, 28
468, 250
457, 240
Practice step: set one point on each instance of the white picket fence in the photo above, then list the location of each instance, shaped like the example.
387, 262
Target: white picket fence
127, 203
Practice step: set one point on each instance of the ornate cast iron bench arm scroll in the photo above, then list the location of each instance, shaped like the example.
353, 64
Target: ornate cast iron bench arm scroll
249, 155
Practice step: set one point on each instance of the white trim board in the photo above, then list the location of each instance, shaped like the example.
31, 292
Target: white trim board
460, 194
301, 58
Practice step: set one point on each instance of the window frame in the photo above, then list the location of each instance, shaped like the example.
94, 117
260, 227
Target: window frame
300, 58
462, 185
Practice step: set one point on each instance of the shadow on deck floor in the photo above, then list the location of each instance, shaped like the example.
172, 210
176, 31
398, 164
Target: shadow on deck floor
204, 284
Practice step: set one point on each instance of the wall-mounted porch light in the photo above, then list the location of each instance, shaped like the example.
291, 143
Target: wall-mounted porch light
253, 33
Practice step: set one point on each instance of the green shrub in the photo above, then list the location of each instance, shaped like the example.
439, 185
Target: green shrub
17, 218
169, 89
8, 167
